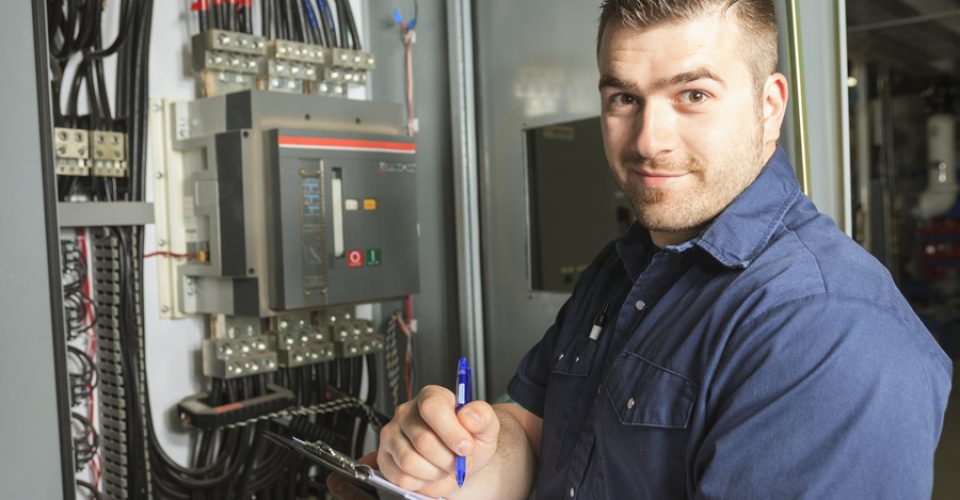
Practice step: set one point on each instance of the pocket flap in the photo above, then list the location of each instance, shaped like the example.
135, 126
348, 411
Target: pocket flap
643, 393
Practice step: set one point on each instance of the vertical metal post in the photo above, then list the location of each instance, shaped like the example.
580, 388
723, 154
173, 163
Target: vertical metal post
466, 187
864, 233
843, 116
799, 96
888, 175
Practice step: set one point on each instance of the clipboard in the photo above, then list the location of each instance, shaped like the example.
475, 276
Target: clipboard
333, 460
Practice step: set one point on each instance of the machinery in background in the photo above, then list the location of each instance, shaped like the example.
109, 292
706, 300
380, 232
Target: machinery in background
938, 284
909, 200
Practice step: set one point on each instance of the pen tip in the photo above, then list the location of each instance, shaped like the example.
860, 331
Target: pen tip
460, 477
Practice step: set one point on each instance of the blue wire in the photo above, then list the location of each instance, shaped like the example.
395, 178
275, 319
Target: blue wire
311, 15
325, 11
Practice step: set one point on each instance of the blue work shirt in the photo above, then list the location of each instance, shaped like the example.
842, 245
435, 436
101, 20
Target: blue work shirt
770, 357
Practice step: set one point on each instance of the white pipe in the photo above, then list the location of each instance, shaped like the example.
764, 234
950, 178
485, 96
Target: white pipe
942, 189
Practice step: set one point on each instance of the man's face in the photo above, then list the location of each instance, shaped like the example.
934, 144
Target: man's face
683, 124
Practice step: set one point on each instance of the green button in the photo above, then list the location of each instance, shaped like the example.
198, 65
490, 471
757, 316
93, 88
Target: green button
373, 256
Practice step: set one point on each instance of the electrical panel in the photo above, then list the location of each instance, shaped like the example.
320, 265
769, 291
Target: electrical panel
281, 203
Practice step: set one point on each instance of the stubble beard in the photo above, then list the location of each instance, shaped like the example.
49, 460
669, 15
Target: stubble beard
715, 187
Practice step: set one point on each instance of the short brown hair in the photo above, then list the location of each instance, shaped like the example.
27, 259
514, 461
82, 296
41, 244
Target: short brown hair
758, 19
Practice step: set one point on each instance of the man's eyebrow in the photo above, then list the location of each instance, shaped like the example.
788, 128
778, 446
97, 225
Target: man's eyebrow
689, 76
612, 81
679, 79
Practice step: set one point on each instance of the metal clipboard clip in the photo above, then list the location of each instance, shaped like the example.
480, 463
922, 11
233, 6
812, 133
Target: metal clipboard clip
327, 456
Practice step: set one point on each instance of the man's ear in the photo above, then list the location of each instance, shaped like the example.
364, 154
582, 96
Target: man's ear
776, 93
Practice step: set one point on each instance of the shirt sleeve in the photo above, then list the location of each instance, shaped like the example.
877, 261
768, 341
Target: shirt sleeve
824, 398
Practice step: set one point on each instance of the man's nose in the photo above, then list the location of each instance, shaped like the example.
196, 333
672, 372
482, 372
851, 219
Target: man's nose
656, 132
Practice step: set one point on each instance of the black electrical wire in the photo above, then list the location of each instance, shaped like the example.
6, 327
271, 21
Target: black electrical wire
354, 33
266, 18
94, 493
342, 24
126, 19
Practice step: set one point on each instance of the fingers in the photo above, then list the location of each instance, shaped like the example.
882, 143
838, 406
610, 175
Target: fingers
436, 407
419, 446
479, 419
410, 460
392, 471
369, 459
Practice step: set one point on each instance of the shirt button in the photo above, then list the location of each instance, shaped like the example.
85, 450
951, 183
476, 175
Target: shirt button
631, 403
640, 305
573, 493
577, 359
561, 356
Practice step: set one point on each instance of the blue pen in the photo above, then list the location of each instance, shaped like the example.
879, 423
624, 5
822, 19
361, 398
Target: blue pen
464, 396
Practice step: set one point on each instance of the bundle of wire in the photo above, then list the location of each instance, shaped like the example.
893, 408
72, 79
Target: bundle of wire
318, 22
76, 300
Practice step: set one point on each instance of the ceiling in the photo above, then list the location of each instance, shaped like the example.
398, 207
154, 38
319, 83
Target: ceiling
926, 49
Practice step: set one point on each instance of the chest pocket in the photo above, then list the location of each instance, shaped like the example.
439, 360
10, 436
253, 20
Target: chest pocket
644, 394
567, 381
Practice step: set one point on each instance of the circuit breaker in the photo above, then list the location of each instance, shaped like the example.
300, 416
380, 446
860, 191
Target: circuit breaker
342, 218
284, 202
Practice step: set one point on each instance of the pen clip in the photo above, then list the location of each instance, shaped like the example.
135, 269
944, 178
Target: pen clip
599, 321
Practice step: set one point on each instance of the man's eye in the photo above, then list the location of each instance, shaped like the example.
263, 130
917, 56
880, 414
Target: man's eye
693, 97
623, 100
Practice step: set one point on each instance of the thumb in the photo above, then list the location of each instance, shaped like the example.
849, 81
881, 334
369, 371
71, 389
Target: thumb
370, 459
479, 419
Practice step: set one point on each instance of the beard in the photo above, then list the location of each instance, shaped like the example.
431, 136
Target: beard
706, 191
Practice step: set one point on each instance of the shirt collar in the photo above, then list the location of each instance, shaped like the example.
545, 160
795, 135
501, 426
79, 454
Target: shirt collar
740, 232
744, 228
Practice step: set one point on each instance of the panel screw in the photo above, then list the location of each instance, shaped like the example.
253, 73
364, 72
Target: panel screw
158, 175
161, 243
164, 309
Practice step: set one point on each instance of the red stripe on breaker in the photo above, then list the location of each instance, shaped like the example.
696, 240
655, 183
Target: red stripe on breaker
346, 144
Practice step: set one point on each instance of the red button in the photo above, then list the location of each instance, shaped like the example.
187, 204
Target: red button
355, 258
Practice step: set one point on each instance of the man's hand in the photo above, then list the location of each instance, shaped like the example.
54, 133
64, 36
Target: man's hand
418, 447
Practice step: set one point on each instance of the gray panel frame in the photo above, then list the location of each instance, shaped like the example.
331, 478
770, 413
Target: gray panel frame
36, 456
101, 213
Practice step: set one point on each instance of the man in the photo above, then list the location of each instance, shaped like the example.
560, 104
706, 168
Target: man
751, 350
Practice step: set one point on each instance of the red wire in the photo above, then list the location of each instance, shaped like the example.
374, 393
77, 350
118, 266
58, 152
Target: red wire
168, 254
91, 350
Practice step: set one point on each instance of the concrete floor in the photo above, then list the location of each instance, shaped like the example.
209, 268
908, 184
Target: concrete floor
946, 482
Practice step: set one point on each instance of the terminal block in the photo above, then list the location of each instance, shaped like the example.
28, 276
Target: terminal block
359, 346
238, 357
356, 338
71, 148
109, 153
225, 61
300, 342
343, 67
292, 66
